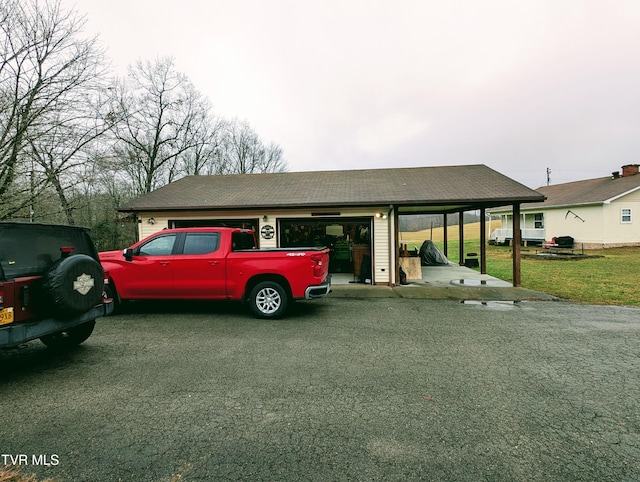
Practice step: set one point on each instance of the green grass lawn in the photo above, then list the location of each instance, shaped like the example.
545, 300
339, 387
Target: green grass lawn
613, 279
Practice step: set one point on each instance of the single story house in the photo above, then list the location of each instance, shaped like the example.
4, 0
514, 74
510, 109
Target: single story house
596, 213
353, 211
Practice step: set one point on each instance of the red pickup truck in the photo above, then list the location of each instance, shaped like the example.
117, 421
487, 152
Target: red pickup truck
216, 263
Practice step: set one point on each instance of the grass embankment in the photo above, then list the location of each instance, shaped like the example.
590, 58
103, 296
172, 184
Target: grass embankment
13, 474
610, 280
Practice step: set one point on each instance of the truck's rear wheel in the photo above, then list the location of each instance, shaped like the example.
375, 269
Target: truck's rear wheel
268, 300
69, 337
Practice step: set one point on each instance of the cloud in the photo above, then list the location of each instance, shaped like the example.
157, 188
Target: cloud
520, 86
390, 132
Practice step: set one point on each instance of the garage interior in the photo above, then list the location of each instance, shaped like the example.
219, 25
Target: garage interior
349, 240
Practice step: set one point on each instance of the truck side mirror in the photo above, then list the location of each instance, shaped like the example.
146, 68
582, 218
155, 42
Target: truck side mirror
128, 254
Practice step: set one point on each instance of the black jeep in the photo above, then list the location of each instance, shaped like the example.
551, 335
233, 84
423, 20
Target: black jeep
51, 285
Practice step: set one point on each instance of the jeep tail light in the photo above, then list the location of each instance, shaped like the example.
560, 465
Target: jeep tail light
66, 251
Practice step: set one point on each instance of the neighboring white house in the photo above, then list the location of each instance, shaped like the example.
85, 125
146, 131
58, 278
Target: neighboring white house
597, 213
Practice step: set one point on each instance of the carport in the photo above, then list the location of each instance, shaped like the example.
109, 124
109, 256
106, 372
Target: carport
357, 209
461, 209
480, 191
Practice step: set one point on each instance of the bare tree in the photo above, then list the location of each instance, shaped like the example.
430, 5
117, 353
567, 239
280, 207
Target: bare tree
243, 152
64, 153
155, 127
204, 156
45, 71
205, 132
160, 122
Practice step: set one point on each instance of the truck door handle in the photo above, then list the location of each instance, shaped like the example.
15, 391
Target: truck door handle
213, 263
164, 263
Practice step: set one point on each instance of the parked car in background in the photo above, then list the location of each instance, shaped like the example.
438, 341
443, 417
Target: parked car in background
51, 284
217, 264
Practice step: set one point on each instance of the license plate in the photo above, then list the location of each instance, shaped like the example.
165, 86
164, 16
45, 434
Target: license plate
6, 316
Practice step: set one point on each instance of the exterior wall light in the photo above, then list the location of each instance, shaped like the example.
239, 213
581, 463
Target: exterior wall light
265, 218
151, 221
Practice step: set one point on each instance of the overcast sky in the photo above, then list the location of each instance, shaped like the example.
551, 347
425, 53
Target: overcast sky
518, 85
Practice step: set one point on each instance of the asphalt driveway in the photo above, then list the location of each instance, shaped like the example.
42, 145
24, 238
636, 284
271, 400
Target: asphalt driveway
344, 389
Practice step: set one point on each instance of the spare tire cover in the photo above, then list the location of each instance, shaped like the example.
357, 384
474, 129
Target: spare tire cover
73, 285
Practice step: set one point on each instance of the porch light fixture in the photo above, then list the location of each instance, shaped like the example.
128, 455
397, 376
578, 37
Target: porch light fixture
381, 215
265, 218
151, 221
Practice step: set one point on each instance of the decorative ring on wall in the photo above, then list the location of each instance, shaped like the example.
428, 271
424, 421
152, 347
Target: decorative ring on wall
267, 232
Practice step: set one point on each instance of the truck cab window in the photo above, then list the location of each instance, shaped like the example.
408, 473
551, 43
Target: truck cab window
160, 246
200, 243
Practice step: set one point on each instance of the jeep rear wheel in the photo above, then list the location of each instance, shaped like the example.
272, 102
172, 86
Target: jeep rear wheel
73, 285
69, 337
268, 300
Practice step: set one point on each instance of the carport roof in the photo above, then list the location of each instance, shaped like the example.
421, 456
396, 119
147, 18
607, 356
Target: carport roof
413, 189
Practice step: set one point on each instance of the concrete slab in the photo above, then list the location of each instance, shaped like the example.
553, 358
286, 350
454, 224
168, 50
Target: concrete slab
452, 282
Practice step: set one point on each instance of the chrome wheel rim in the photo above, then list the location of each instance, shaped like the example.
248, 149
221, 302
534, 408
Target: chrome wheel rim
268, 300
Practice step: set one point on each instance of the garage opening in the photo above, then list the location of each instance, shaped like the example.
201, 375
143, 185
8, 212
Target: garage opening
349, 240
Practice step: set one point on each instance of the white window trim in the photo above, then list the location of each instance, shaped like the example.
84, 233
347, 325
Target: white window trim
624, 214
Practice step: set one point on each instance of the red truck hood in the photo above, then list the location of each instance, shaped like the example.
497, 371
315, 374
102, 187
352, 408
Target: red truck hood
110, 254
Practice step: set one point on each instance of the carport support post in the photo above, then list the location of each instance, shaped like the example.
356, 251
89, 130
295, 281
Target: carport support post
483, 242
517, 239
445, 236
461, 237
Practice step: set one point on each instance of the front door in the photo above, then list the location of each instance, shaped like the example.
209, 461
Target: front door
149, 273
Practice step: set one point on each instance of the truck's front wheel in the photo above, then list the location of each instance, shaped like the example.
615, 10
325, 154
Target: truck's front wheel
268, 300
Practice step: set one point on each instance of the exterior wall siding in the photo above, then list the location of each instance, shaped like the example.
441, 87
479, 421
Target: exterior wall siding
617, 232
381, 267
592, 226
583, 223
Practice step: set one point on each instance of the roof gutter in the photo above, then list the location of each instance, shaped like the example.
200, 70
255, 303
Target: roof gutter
614, 198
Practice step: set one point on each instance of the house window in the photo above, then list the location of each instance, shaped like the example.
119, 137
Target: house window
538, 220
625, 215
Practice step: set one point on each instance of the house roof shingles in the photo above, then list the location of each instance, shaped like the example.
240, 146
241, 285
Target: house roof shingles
590, 191
419, 186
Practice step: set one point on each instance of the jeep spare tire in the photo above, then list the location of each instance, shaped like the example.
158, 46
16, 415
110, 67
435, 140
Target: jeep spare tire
73, 285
